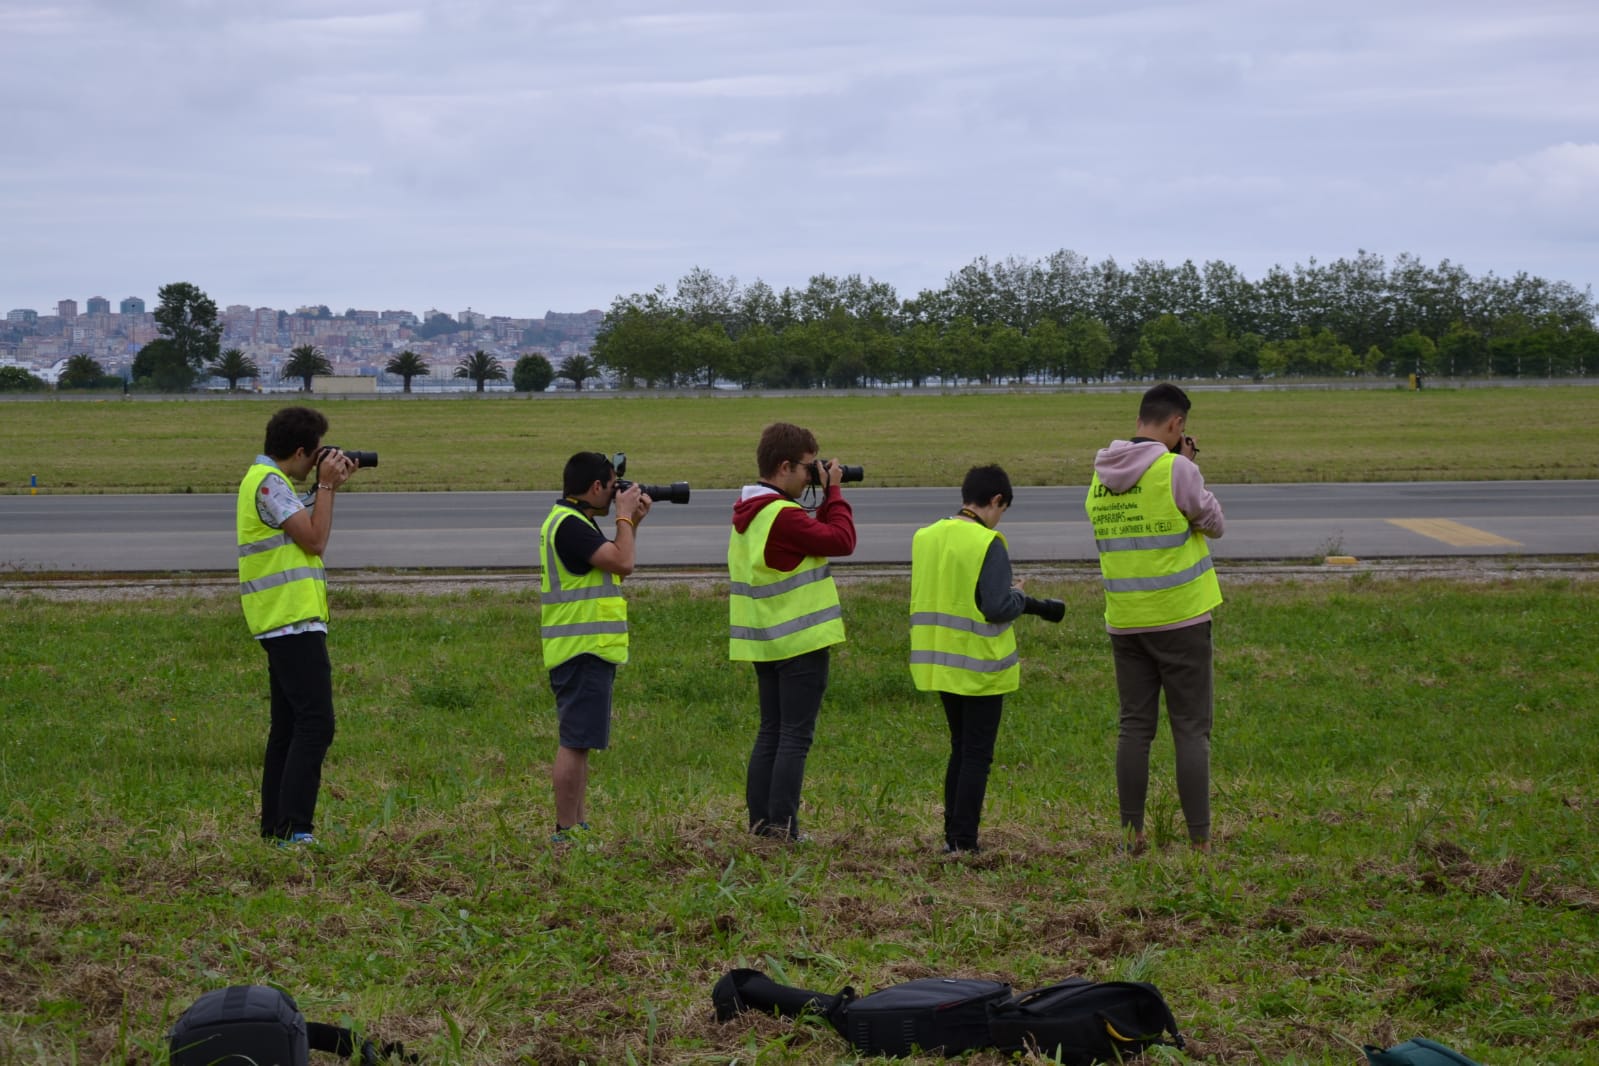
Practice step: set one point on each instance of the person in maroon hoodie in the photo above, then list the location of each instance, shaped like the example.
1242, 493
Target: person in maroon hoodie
1153, 518
783, 612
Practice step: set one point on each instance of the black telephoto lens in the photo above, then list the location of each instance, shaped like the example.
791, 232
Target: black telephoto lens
676, 492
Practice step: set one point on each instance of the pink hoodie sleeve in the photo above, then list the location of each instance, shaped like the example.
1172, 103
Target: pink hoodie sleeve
1194, 500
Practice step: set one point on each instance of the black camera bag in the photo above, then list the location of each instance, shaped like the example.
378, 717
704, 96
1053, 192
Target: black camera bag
1084, 1022
948, 1015
257, 1025
742, 990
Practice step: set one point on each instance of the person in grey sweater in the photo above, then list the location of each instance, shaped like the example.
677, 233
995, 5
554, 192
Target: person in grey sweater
963, 601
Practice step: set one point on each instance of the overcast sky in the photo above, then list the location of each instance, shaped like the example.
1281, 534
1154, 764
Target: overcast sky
519, 157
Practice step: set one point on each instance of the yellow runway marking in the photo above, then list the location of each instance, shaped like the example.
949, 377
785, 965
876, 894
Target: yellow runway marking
1453, 533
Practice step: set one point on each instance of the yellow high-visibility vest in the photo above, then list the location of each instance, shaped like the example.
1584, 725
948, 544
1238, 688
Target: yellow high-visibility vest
280, 583
778, 614
578, 613
953, 647
1155, 566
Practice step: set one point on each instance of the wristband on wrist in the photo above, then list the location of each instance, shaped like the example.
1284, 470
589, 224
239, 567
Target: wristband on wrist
629, 521
325, 485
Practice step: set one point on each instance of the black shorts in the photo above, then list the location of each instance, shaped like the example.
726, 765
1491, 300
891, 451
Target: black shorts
582, 687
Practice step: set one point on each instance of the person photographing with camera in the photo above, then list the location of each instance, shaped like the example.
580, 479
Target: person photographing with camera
783, 612
963, 602
583, 620
1152, 517
283, 590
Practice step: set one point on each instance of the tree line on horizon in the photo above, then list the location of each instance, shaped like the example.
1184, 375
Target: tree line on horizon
1057, 319
1063, 318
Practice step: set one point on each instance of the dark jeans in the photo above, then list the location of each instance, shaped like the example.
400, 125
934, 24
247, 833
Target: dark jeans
973, 726
791, 697
1177, 662
301, 733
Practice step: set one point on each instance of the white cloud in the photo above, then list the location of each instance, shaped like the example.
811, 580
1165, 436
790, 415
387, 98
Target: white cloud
515, 155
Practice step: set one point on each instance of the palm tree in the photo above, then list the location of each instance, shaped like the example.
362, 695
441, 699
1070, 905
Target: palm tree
480, 366
408, 365
81, 372
578, 369
305, 363
233, 364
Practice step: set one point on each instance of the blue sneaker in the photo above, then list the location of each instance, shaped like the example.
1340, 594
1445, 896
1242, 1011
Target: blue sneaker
298, 840
571, 834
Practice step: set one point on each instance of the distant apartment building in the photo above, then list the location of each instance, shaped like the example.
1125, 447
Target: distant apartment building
471, 318
67, 310
365, 318
25, 315
99, 305
133, 305
403, 318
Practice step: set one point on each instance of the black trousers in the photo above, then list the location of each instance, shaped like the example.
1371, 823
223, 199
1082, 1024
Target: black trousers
301, 733
791, 693
973, 728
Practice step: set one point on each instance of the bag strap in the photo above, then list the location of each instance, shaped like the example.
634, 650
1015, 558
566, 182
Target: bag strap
337, 1040
742, 990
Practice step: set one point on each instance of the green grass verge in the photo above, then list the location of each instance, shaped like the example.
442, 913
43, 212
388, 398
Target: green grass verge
1042, 439
1404, 801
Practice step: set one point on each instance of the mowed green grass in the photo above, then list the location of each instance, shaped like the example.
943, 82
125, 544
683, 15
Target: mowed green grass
1405, 806
498, 442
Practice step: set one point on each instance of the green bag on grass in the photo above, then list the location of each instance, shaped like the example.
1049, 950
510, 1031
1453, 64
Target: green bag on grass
1417, 1052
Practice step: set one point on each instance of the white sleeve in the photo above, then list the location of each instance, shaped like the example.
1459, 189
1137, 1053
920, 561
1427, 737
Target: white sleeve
275, 501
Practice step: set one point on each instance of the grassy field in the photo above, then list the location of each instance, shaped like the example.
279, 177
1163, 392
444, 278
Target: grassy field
1405, 806
471, 442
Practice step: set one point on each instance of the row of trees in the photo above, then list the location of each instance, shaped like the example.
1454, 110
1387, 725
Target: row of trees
1063, 318
532, 373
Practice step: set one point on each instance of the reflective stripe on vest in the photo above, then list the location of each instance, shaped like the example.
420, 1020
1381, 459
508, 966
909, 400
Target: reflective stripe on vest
777, 614
279, 582
1155, 566
578, 613
953, 647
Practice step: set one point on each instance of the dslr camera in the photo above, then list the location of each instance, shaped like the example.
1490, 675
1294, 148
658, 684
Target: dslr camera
361, 459
1048, 610
676, 492
845, 473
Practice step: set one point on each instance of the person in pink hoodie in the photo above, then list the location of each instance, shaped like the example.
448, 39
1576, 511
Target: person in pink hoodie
783, 612
1152, 517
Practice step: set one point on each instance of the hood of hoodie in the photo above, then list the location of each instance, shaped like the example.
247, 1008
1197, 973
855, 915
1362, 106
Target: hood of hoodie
750, 502
1120, 465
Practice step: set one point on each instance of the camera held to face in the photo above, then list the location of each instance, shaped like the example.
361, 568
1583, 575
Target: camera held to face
845, 473
362, 460
676, 492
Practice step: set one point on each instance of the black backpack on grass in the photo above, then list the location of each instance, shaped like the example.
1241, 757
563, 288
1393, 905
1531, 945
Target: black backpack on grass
257, 1025
1084, 1022
948, 1015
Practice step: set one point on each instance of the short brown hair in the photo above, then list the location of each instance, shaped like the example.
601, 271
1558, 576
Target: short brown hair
782, 442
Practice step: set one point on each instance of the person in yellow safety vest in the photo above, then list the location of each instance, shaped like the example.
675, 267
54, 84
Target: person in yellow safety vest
1152, 516
963, 601
283, 590
784, 614
583, 621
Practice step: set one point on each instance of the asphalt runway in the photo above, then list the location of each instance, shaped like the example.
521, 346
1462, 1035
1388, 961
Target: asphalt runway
499, 530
